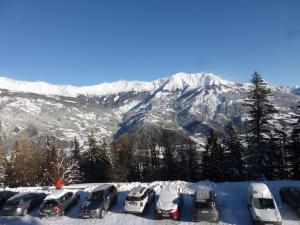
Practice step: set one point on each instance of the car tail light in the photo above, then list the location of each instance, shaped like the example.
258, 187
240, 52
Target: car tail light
174, 213
57, 208
141, 204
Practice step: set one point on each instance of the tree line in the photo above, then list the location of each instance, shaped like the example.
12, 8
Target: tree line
265, 150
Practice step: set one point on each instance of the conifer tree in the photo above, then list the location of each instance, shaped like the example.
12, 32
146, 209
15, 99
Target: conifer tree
234, 150
258, 123
3, 165
213, 157
294, 145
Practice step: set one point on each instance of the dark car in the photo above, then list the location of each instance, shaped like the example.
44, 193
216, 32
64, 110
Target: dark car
204, 205
291, 195
22, 203
99, 201
58, 203
4, 195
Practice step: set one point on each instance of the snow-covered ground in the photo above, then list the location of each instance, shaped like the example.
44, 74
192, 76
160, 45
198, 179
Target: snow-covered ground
231, 201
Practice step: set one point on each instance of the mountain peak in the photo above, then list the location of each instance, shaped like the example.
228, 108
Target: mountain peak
178, 81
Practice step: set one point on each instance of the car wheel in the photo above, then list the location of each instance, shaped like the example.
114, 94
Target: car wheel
102, 213
25, 212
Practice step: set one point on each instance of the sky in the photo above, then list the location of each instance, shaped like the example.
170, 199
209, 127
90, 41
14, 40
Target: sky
88, 42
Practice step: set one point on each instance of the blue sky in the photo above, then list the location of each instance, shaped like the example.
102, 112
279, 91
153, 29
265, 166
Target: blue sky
87, 42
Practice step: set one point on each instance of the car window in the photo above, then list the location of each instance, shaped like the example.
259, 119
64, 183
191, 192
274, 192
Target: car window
26, 198
96, 196
263, 203
50, 203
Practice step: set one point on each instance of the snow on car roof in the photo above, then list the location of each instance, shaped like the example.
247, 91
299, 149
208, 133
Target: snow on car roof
102, 187
169, 192
203, 193
137, 191
57, 194
260, 190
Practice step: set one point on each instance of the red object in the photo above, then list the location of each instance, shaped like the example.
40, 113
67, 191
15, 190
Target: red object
175, 215
58, 183
57, 209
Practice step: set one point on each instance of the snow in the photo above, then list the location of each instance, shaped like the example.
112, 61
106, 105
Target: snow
231, 201
57, 194
177, 81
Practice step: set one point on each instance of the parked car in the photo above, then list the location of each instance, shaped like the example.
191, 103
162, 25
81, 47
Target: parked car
262, 205
169, 203
22, 203
204, 205
4, 195
291, 195
139, 199
58, 203
99, 201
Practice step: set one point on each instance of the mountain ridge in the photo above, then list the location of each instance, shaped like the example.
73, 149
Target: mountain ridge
189, 103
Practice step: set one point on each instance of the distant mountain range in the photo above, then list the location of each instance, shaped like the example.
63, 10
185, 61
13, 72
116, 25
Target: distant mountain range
189, 103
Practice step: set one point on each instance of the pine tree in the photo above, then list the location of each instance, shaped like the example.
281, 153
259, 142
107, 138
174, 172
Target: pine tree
258, 123
234, 150
3, 165
294, 146
212, 165
50, 162
76, 150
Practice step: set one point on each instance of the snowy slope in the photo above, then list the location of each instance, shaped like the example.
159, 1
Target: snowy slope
231, 201
190, 103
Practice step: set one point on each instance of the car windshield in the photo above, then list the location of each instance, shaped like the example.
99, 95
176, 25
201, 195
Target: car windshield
50, 203
201, 205
263, 203
96, 196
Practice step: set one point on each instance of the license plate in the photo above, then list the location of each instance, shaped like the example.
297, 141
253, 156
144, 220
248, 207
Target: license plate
204, 211
86, 216
132, 203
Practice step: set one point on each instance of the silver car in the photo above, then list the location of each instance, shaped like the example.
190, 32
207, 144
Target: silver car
21, 204
99, 201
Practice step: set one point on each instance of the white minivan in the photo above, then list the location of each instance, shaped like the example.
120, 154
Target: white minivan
262, 205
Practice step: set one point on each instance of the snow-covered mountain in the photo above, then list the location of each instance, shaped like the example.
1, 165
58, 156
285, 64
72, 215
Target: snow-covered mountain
191, 103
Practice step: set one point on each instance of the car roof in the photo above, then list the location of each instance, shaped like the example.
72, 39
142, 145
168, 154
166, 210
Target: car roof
203, 193
19, 195
102, 187
137, 191
57, 194
260, 190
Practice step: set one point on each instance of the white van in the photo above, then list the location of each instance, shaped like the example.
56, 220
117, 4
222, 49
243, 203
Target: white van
262, 205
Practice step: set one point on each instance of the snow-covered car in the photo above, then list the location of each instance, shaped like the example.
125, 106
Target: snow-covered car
58, 203
139, 199
99, 201
169, 203
204, 205
262, 205
22, 203
291, 196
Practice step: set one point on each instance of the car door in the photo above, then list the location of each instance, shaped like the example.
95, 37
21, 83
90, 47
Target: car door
69, 200
27, 201
107, 199
293, 197
151, 194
